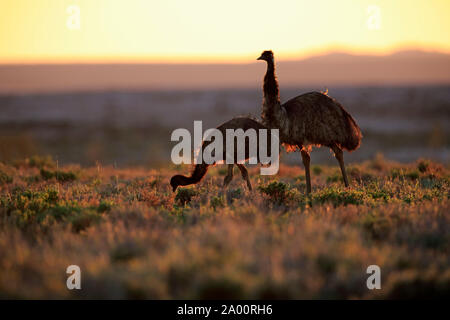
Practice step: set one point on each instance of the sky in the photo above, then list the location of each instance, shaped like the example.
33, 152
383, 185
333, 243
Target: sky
203, 31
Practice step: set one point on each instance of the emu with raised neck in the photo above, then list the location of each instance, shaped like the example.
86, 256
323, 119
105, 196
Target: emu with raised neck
312, 118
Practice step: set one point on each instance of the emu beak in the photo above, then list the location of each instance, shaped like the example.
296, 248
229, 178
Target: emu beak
260, 58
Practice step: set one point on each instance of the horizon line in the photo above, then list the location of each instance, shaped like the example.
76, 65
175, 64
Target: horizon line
218, 60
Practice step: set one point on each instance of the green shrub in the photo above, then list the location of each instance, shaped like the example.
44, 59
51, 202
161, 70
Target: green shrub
278, 192
62, 211
317, 170
51, 195
184, 195
216, 202
105, 206
84, 219
59, 175
40, 162
65, 176
29, 207
46, 174
30, 200
4, 178
377, 227
234, 194
126, 251
430, 183
400, 174
338, 197
335, 177
379, 194
423, 165
396, 173
413, 175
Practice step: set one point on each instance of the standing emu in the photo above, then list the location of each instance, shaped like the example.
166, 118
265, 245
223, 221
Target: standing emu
200, 169
309, 119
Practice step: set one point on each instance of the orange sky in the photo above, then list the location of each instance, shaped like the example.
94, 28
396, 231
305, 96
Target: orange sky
33, 31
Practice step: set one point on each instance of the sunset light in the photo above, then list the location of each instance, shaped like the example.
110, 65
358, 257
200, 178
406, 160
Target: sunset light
55, 31
224, 159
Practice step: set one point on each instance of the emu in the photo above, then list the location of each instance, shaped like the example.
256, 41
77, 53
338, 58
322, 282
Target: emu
309, 119
200, 169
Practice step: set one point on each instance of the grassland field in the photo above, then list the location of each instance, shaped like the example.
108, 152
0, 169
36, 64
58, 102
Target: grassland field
134, 238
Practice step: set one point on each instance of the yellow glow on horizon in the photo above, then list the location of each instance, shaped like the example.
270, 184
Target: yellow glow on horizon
35, 31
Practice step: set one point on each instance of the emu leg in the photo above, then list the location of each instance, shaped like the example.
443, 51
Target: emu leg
244, 173
229, 176
340, 157
306, 160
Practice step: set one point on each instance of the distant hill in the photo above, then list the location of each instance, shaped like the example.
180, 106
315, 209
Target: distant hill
329, 70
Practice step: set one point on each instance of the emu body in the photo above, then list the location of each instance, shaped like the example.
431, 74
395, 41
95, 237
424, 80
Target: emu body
309, 119
200, 169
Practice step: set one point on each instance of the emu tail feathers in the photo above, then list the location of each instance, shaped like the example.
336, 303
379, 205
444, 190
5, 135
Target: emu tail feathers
354, 135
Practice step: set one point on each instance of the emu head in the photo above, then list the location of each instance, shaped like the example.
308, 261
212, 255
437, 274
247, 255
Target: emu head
266, 56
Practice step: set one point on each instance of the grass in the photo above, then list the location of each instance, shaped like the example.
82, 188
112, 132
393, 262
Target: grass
134, 238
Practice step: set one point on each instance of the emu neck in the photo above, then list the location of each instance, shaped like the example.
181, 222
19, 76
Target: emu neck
271, 92
184, 181
271, 102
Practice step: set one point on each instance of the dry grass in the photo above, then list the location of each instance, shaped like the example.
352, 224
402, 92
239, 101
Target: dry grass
134, 238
